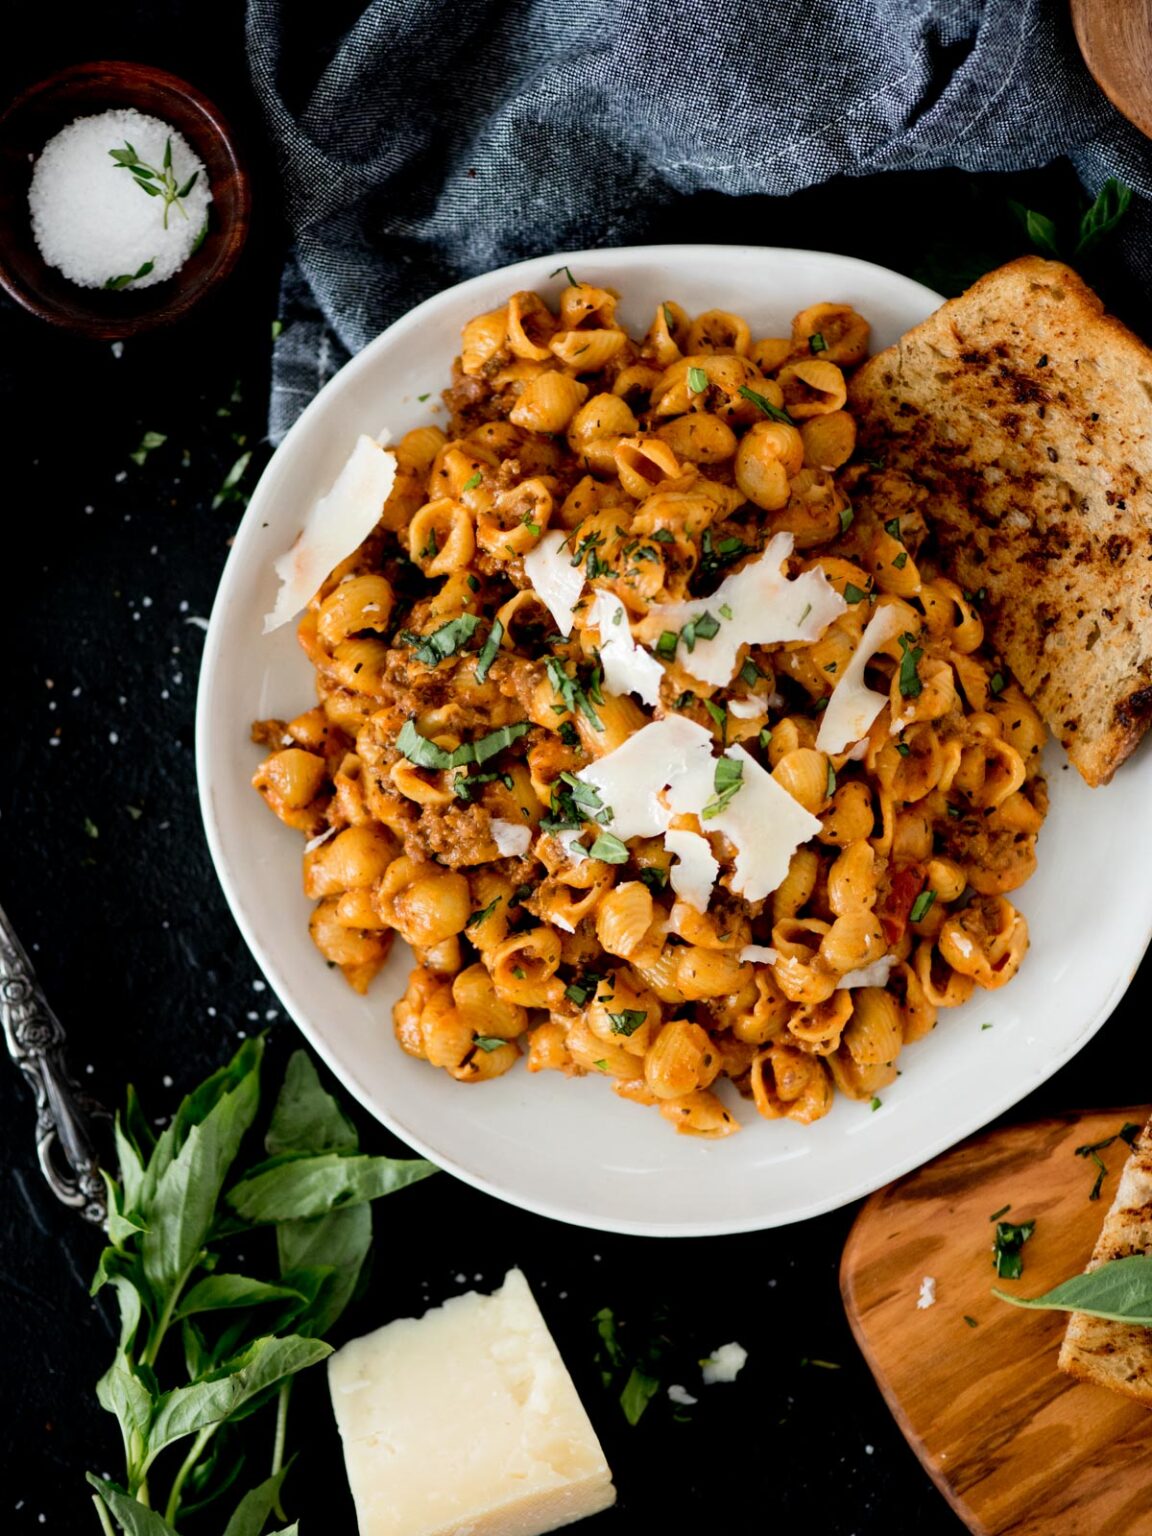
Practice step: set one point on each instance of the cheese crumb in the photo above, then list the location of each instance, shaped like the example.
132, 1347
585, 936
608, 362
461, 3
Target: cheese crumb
681, 1395
927, 1296
724, 1364
627, 667
511, 839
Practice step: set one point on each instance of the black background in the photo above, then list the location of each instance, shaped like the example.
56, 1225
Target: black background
106, 563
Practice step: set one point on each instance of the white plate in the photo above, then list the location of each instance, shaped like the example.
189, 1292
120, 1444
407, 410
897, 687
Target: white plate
572, 1149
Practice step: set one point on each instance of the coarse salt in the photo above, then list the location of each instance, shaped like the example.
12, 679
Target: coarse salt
93, 221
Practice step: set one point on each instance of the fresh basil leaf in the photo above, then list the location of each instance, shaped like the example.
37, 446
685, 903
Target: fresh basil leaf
288, 1530
118, 1226
131, 1167
222, 1293
306, 1117
134, 1518
186, 1410
1120, 1290
193, 1110
447, 639
638, 1392
1042, 232
1105, 213
121, 1393
609, 849
339, 1242
257, 1504
311, 1186
182, 1209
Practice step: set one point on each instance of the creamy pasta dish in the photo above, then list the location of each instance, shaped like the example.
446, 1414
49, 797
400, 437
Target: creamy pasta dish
647, 720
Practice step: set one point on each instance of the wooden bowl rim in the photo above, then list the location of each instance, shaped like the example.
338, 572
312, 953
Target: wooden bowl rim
226, 238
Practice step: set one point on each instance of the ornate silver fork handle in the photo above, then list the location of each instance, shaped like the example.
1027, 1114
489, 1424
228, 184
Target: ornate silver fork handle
36, 1040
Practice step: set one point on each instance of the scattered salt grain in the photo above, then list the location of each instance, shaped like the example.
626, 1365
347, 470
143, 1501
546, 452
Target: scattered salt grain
724, 1364
927, 1296
117, 349
113, 737
259, 986
166, 1080
120, 477
91, 217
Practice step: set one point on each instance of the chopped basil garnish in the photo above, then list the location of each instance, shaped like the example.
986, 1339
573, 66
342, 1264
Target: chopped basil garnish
489, 650
892, 529
816, 343
1127, 1133
654, 878
719, 717
727, 779
853, 594
997, 683
750, 673
697, 380
830, 788
910, 685
426, 754
484, 914
488, 1043
904, 750
445, 641
901, 560
922, 905
725, 611
846, 517
766, 406
609, 849
666, 645
628, 1021
472, 482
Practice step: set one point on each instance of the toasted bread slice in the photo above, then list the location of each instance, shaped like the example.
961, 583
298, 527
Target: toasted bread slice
1026, 411
1118, 1355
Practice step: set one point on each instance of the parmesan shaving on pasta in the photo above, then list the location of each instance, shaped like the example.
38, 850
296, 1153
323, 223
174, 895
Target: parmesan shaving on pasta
627, 667
747, 709
556, 581
512, 840
762, 954
667, 769
758, 605
694, 873
853, 707
874, 975
762, 820
336, 527
630, 778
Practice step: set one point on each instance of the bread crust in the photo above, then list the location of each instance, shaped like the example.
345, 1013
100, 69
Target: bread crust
1026, 412
1118, 1355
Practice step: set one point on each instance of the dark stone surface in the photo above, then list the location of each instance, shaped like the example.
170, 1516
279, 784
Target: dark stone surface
133, 940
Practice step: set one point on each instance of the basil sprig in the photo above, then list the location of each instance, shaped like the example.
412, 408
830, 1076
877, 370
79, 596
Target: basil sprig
202, 1344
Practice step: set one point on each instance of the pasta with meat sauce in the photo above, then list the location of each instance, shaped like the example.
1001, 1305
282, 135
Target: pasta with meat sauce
648, 721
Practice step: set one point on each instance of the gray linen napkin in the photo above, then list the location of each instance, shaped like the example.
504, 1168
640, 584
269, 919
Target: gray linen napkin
423, 141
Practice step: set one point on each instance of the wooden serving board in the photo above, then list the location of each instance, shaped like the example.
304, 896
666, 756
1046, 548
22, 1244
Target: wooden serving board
1012, 1443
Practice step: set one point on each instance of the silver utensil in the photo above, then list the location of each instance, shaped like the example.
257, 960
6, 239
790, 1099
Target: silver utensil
35, 1039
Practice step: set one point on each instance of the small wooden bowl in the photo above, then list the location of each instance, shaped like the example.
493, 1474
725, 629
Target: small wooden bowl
1115, 37
81, 91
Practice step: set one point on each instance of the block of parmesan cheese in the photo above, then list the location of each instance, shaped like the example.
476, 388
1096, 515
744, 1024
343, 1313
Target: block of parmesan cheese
465, 1422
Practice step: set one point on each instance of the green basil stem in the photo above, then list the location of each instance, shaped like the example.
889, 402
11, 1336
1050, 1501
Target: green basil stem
281, 1435
102, 1511
188, 1463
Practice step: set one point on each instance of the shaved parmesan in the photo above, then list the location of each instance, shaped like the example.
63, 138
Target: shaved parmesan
321, 838
627, 668
666, 770
337, 525
874, 975
556, 581
630, 778
747, 709
694, 874
762, 954
853, 707
765, 605
762, 820
513, 839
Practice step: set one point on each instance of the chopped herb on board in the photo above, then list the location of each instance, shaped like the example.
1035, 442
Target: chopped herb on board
1127, 1133
1006, 1249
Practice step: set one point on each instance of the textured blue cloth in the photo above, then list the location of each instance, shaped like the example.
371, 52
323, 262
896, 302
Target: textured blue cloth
422, 141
